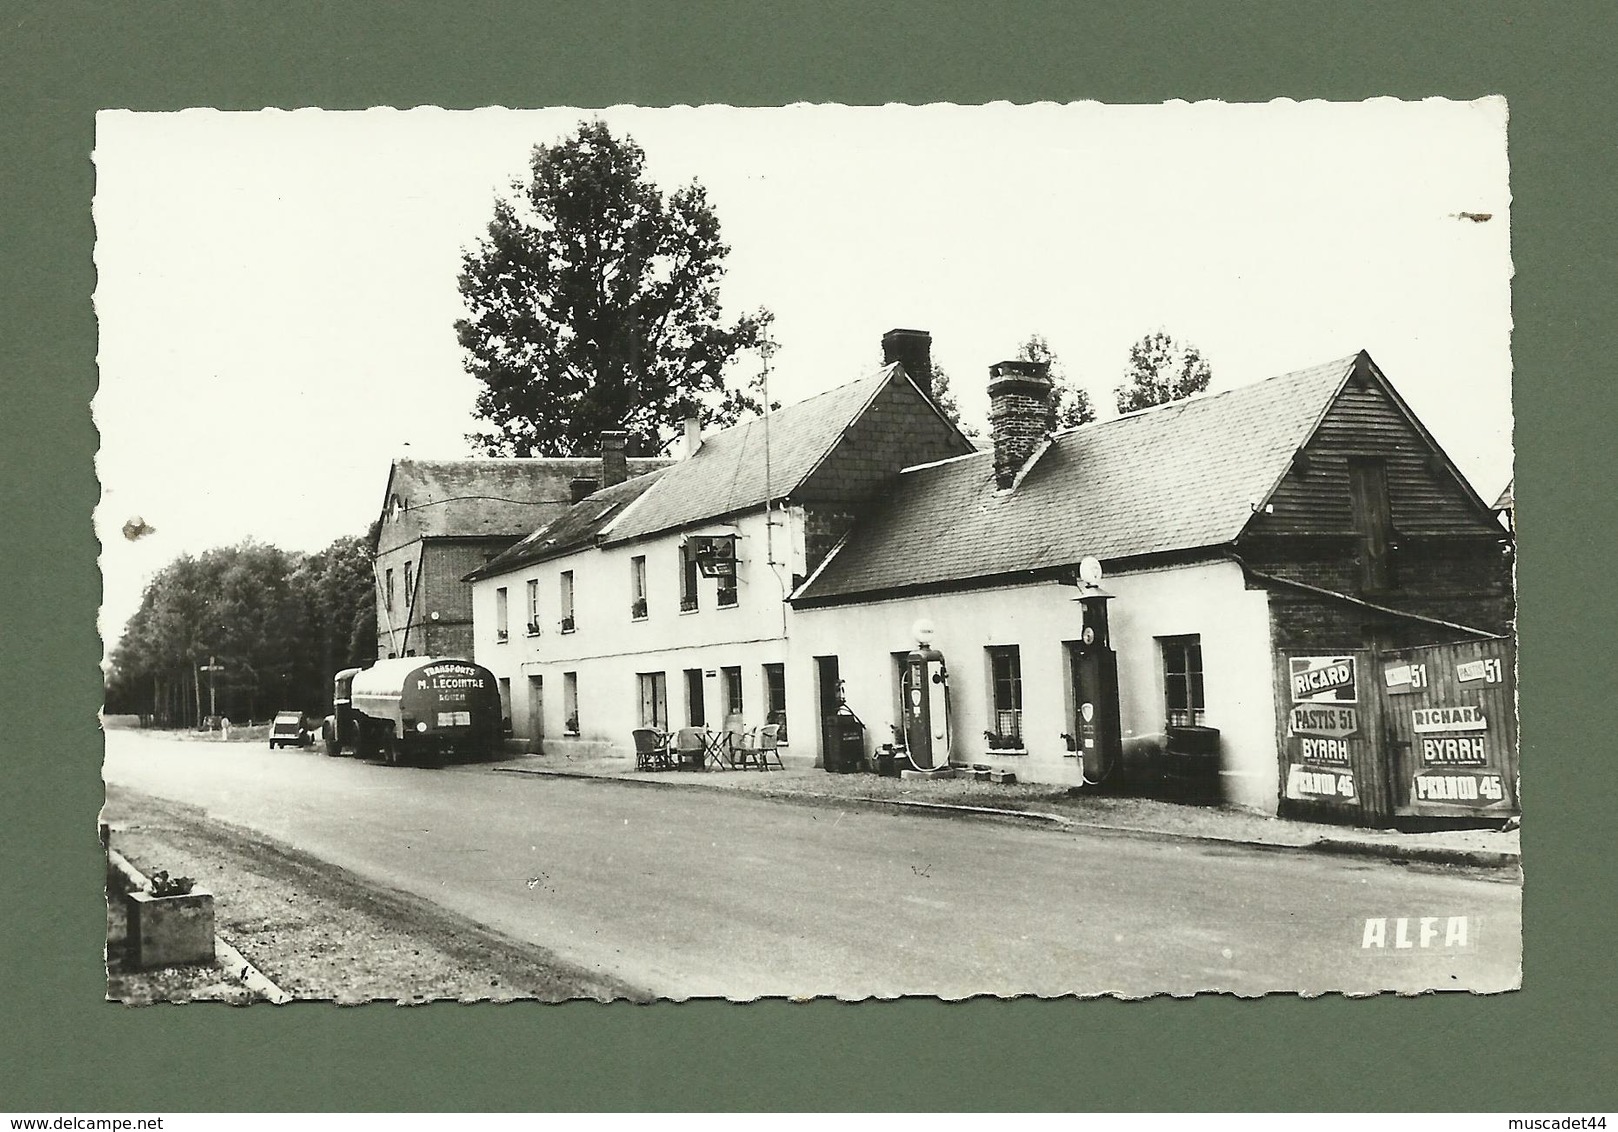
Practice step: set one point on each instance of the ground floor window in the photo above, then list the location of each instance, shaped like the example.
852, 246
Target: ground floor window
1182, 680
731, 682
570, 702
775, 689
1005, 680
504, 683
654, 700
695, 715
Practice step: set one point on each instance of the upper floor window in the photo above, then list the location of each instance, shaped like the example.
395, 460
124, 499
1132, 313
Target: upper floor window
389, 587
533, 607
637, 587
410, 585
727, 588
688, 576
1373, 521
1182, 681
1005, 681
500, 630
567, 601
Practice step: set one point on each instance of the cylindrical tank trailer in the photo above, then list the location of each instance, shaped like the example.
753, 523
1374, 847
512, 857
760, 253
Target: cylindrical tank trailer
415, 709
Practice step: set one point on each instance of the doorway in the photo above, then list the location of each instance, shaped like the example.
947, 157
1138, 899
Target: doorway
829, 696
536, 715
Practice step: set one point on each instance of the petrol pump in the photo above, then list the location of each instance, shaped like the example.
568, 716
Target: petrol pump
926, 703
1095, 681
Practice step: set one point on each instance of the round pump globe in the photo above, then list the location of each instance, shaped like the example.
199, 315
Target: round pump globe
1090, 571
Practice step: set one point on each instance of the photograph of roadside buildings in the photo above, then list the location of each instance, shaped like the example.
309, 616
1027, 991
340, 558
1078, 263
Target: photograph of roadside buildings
808, 551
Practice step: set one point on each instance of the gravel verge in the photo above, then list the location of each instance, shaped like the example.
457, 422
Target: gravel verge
319, 932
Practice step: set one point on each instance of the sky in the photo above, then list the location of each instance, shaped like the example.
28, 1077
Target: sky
276, 291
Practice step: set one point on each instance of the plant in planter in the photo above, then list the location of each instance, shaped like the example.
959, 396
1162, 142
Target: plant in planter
637, 608
571, 726
170, 922
567, 624
999, 742
1072, 743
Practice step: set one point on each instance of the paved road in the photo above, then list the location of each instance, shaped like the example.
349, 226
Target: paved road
705, 893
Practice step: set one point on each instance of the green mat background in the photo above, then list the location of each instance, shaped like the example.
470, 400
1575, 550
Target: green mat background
1543, 1048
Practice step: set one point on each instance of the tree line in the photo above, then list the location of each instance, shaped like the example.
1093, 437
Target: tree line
277, 625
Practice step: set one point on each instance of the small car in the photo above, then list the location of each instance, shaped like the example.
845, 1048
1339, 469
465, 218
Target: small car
288, 730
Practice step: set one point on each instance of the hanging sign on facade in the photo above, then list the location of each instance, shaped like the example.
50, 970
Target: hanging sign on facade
1326, 722
715, 555
1320, 784
1322, 679
1471, 789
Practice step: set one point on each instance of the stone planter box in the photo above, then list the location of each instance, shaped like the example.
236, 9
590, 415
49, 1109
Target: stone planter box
167, 930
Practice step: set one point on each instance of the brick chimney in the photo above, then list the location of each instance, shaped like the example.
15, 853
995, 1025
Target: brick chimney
581, 486
912, 349
1021, 413
614, 464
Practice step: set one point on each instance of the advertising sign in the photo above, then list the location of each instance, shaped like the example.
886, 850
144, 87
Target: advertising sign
1322, 679
1402, 679
1454, 750
1489, 670
1473, 789
1320, 784
1327, 722
1463, 718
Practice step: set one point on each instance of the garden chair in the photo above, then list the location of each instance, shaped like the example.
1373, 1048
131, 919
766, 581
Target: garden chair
688, 747
751, 753
651, 750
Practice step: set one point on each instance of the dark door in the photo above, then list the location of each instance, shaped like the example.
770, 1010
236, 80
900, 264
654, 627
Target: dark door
1373, 519
829, 685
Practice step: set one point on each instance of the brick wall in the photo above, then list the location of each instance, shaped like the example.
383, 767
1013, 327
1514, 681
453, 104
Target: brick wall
823, 526
439, 589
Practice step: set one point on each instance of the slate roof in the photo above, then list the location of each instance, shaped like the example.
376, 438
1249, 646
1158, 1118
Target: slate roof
1174, 477
577, 526
496, 496
727, 475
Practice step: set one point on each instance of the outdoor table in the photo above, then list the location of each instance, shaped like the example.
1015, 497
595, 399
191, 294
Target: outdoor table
716, 748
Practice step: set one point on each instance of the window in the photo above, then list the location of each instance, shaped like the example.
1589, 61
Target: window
727, 586
533, 607
688, 577
390, 589
637, 587
567, 601
1373, 521
731, 685
695, 716
410, 585
775, 696
570, 702
504, 683
654, 700
500, 632
1005, 680
1182, 680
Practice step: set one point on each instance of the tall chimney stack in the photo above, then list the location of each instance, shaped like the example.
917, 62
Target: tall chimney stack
614, 464
1021, 413
693, 436
912, 349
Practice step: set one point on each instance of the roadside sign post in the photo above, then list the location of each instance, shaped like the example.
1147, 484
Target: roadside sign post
210, 668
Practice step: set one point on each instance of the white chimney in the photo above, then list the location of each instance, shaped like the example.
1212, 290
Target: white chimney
693, 436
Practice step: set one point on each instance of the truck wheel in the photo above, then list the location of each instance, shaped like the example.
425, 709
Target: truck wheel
333, 747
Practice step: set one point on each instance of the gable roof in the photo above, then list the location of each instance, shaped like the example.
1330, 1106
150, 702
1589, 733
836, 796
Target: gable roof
1174, 477
577, 526
729, 473
1505, 502
491, 497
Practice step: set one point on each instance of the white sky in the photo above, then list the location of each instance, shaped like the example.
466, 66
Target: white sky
277, 291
